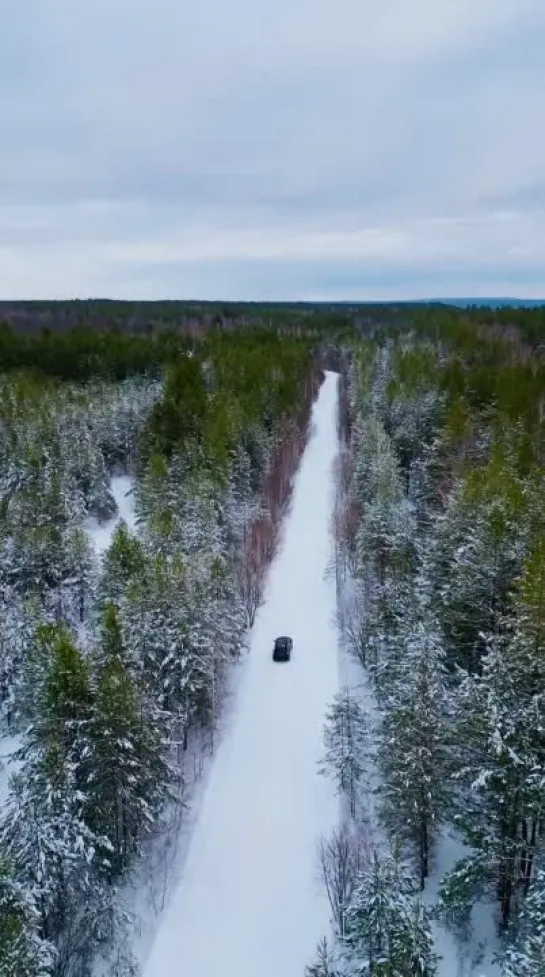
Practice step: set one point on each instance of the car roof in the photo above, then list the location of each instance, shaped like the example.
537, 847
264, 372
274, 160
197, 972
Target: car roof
283, 638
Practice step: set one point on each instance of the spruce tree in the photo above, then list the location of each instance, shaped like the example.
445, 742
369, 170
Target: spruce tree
388, 932
326, 964
501, 752
129, 773
346, 745
124, 560
45, 832
23, 953
525, 957
413, 741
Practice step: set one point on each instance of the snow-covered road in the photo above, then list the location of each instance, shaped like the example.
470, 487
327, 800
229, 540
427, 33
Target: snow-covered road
250, 902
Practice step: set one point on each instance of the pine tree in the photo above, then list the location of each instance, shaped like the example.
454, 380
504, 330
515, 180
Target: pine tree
388, 930
478, 550
214, 630
345, 738
124, 560
65, 706
33, 644
45, 835
48, 552
78, 587
22, 951
501, 752
11, 656
239, 511
413, 743
326, 964
129, 774
155, 616
526, 956
85, 461
388, 610
386, 530
45, 832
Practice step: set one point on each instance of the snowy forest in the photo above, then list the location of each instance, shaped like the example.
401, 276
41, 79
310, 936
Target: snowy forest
144, 477
112, 656
436, 740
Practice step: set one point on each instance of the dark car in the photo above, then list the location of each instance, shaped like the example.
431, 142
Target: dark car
282, 649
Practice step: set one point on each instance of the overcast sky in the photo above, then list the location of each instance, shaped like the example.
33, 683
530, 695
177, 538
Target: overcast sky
275, 149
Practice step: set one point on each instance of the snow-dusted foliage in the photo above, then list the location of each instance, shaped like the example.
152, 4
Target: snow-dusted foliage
439, 564
46, 832
345, 745
23, 951
327, 962
500, 758
526, 956
413, 739
119, 615
387, 928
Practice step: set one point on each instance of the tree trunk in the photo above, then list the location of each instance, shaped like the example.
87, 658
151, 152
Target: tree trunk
424, 852
528, 851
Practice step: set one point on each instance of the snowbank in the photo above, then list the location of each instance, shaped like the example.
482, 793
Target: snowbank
474, 958
101, 534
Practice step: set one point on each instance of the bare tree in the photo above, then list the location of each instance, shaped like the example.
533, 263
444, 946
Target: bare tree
352, 621
164, 851
252, 584
324, 964
342, 858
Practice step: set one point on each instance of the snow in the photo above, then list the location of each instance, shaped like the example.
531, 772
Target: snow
473, 958
250, 901
101, 534
8, 746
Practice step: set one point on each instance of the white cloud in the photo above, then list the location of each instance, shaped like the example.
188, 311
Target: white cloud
140, 138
